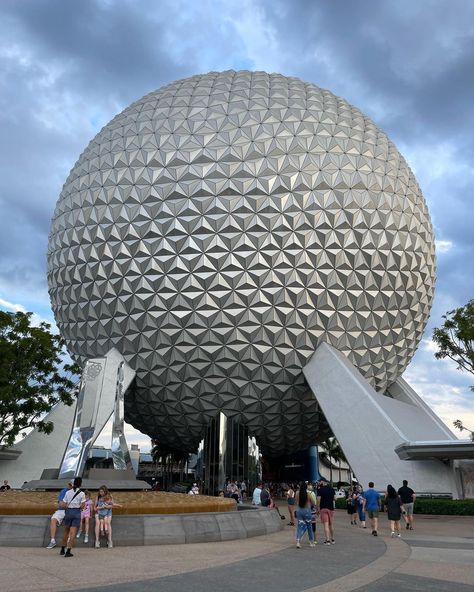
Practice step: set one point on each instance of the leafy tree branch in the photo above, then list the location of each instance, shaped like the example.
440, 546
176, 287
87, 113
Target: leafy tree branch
33, 376
455, 338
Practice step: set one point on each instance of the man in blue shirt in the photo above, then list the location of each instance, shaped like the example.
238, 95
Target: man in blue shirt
57, 517
372, 505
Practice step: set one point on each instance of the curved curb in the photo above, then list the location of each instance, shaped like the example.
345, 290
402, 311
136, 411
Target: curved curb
152, 529
397, 552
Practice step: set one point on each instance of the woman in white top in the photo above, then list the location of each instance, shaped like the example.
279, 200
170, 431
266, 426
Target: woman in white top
73, 502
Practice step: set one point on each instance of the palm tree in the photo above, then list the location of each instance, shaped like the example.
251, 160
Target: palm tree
331, 451
169, 457
339, 457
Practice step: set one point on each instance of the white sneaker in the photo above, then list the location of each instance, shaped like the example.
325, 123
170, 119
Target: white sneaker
298, 546
312, 544
97, 545
78, 535
399, 535
392, 534
86, 538
52, 544
110, 545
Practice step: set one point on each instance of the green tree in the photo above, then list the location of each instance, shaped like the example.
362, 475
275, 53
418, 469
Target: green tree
331, 452
33, 377
462, 428
455, 339
169, 458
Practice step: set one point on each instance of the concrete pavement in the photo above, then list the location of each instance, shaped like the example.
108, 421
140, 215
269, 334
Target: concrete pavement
436, 555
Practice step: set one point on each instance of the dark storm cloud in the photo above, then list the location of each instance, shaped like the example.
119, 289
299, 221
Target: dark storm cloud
67, 67
104, 47
416, 60
409, 67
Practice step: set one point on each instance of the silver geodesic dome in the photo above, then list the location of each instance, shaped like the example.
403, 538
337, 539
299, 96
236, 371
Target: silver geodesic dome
217, 230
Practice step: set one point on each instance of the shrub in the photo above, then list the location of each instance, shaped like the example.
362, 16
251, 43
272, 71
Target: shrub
434, 507
445, 507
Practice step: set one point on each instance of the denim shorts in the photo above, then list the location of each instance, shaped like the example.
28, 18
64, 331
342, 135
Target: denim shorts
72, 517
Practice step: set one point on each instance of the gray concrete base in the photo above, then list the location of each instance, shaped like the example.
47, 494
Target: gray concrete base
151, 529
378, 425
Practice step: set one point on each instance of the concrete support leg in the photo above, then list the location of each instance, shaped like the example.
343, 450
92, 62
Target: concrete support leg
369, 426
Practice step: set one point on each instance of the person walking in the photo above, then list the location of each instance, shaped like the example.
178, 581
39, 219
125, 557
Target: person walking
351, 503
303, 515
360, 501
408, 497
314, 516
73, 502
393, 504
325, 508
372, 504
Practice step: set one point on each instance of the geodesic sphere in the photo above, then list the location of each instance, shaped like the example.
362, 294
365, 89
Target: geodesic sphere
221, 227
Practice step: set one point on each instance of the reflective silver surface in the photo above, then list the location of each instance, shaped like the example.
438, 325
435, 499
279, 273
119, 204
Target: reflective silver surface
222, 427
120, 452
220, 228
103, 385
85, 420
227, 453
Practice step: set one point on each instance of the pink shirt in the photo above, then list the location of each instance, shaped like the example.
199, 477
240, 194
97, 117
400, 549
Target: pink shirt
86, 512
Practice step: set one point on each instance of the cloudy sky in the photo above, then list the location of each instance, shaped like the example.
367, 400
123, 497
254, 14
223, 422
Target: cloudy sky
67, 67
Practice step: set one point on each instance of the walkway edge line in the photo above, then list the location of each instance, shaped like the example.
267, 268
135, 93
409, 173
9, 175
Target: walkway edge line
396, 553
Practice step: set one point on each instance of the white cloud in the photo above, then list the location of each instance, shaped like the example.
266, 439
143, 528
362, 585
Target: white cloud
11, 306
435, 162
36, 319
443, 246
132, 436
429, 345
259, 38
447, 401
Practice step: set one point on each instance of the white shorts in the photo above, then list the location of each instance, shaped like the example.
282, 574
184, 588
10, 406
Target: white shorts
58, 516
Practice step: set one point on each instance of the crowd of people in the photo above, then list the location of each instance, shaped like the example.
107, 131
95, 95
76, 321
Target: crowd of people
307, 502
369, 502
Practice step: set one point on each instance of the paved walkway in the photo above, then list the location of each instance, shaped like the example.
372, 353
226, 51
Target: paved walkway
436, 555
